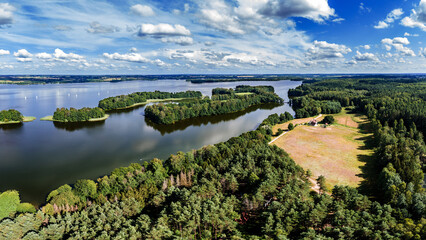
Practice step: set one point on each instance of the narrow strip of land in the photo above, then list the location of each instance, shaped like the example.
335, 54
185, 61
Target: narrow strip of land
50, 118
26, 119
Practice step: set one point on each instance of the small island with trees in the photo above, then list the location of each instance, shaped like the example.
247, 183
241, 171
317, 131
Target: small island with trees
13, 116
73, 115
223, 101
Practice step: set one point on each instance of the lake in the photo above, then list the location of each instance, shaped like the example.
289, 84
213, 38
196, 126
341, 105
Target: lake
38, 157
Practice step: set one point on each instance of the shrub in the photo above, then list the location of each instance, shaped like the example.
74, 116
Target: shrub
290, 126
328, 119
26, 207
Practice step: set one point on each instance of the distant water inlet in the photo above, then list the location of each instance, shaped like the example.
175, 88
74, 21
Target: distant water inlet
39, 156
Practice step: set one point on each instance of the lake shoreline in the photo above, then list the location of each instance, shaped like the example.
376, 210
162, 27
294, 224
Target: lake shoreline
26, 119
50, 118
150, 101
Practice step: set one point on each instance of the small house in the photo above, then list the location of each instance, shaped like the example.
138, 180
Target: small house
314, 122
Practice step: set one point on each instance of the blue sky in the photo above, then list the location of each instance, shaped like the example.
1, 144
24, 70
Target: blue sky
215, 36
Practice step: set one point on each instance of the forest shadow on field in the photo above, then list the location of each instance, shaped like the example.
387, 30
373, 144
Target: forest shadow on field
182, 125
369, 174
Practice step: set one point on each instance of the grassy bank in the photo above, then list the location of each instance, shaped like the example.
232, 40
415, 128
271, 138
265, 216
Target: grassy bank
50, 118
26, 119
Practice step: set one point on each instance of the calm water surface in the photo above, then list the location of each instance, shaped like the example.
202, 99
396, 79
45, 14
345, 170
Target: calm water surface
38, 157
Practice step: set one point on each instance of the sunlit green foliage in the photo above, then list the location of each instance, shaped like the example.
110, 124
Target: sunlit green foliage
11, 115
124, 101
77, 115
223, 101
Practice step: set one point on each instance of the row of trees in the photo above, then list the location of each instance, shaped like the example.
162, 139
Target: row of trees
77, 115
273, 120
11, 115
123, 101
308, 107
391, 99
223, 101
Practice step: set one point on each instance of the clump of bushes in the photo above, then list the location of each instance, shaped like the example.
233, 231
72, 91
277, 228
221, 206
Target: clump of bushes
290, 126
328, 119
77, 115
11, 115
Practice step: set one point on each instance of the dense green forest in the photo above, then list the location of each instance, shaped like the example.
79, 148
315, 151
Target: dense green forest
239, 189
222, 101
397, 110
245, 188
77, 115
123, 101
11, 115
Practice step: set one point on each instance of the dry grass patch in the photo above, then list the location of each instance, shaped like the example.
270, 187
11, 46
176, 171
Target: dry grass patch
332, 152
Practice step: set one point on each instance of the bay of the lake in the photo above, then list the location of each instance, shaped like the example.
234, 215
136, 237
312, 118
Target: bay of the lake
38, 157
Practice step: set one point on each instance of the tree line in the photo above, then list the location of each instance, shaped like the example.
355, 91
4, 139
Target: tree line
11, 115
77, 115
123, 101
223, 101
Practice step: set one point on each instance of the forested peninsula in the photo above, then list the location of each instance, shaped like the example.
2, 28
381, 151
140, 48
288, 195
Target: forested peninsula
73, 115
13, 116
245, 188
141, 98
222, 101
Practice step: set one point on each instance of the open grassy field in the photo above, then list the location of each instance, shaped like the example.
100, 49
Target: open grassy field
333, 152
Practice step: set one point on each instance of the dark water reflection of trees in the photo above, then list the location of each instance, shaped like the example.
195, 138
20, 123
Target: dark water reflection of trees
182, 125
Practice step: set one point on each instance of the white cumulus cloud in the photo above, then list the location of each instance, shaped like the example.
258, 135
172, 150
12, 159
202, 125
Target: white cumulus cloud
128, 57
390, 18
43, 55
163, 29
398, 43
362, 57
4, 52
6, 13
317, 10
22, 55
417, 17
142, 10
325, 50
59, 54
